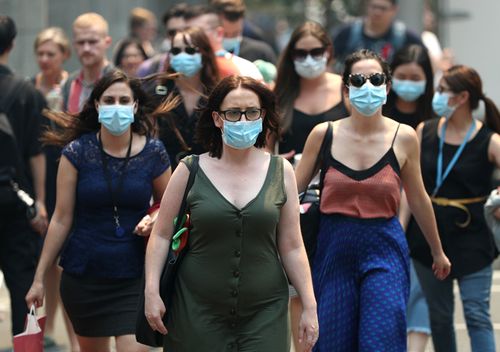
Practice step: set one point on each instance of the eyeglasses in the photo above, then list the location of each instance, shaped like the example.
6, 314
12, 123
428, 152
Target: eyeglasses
234, 115
358, 79
191, 50
301, 54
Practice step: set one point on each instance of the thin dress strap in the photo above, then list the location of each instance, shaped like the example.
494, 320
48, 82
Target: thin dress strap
395, 134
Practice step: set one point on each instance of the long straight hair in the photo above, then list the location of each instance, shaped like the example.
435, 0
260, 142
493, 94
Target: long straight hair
287, 86
415, 54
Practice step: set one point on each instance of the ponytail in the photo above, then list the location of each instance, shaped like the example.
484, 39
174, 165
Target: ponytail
492, 118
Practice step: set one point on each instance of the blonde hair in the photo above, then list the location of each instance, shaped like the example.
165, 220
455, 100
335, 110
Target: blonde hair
91, 19
139, 16
56, 35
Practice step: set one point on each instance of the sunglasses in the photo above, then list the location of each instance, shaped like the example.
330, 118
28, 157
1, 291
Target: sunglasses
358, 79
191, 50
301, 54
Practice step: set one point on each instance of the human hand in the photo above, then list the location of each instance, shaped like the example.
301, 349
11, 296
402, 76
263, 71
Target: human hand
40, 222
145, 226
35, 294
308, 329
441, 266
154, 309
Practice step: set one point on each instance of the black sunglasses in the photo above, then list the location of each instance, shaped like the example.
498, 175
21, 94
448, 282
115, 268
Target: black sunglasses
191, 50
171, 32
358, 79
301, 54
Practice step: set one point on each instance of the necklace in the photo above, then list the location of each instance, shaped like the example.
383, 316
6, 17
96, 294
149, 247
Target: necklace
114, 193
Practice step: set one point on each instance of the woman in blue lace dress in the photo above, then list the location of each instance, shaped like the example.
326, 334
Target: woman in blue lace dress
109, 170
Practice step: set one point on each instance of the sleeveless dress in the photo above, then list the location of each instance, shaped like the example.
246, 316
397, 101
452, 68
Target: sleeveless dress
361, 268
231, 291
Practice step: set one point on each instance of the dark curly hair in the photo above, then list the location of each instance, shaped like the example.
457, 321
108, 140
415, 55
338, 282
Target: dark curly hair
75, 125
209, 135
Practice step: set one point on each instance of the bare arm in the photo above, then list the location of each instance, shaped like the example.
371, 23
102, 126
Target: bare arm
494, 157
419, 202
59, 228
307, 167
404, 209
159, 243
145, 226
294, 258
38, 170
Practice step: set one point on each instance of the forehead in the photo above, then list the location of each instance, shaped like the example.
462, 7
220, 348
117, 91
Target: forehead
205, 21
308, 41
366, 66
92, 32
411, 68
176, 23
118, 89
382, 3
132, 48
48, 45
179, 39
240, 97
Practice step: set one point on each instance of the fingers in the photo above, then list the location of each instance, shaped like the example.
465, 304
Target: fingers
156, 323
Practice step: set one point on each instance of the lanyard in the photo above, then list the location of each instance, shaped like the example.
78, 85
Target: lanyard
440, 177
119, 231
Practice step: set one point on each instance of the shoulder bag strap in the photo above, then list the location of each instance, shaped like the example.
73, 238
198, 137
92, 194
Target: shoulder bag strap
193, 169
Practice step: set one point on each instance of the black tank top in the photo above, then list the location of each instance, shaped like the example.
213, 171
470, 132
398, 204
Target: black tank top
471, 248
302, 124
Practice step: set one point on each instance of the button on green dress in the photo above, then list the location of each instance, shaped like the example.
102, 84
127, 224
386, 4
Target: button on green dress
231, 292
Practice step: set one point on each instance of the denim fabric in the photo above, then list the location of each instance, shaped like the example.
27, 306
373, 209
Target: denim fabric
417, 314
475, 290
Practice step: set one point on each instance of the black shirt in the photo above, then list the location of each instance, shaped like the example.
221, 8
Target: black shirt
25, 116
302, 124
469, 249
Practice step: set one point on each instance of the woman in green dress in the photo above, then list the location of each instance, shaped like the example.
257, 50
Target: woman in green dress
231, 291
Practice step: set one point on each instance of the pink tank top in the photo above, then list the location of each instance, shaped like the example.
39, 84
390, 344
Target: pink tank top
366, 194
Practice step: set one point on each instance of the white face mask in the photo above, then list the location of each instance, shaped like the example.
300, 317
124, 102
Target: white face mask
310, 68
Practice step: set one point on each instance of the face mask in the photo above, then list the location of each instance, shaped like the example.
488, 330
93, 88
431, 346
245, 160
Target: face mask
310, 68
408, 90
116, 118
187, 64
368, 98
241, 134
232, 44
440, 104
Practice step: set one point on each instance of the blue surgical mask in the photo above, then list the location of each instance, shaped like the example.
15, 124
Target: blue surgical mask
187, 64
368, 98
440, 104
232, 44
310, 68
408, 90
116, 118
241, 134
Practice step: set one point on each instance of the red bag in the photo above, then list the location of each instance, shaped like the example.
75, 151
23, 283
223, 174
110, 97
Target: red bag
31, 340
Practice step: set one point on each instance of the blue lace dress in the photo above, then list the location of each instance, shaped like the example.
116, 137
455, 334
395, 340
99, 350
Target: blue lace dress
95, 259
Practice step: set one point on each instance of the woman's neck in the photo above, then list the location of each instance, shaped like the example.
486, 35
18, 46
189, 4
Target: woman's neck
237, 156
461, 119
307, 85
190, 83
365, 125
407, 107
115, 145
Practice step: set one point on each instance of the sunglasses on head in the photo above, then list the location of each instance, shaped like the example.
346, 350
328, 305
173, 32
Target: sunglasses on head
358, 79
301, 54
191, 50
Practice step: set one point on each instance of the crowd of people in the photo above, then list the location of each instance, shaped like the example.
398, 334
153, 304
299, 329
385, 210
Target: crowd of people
104, 154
